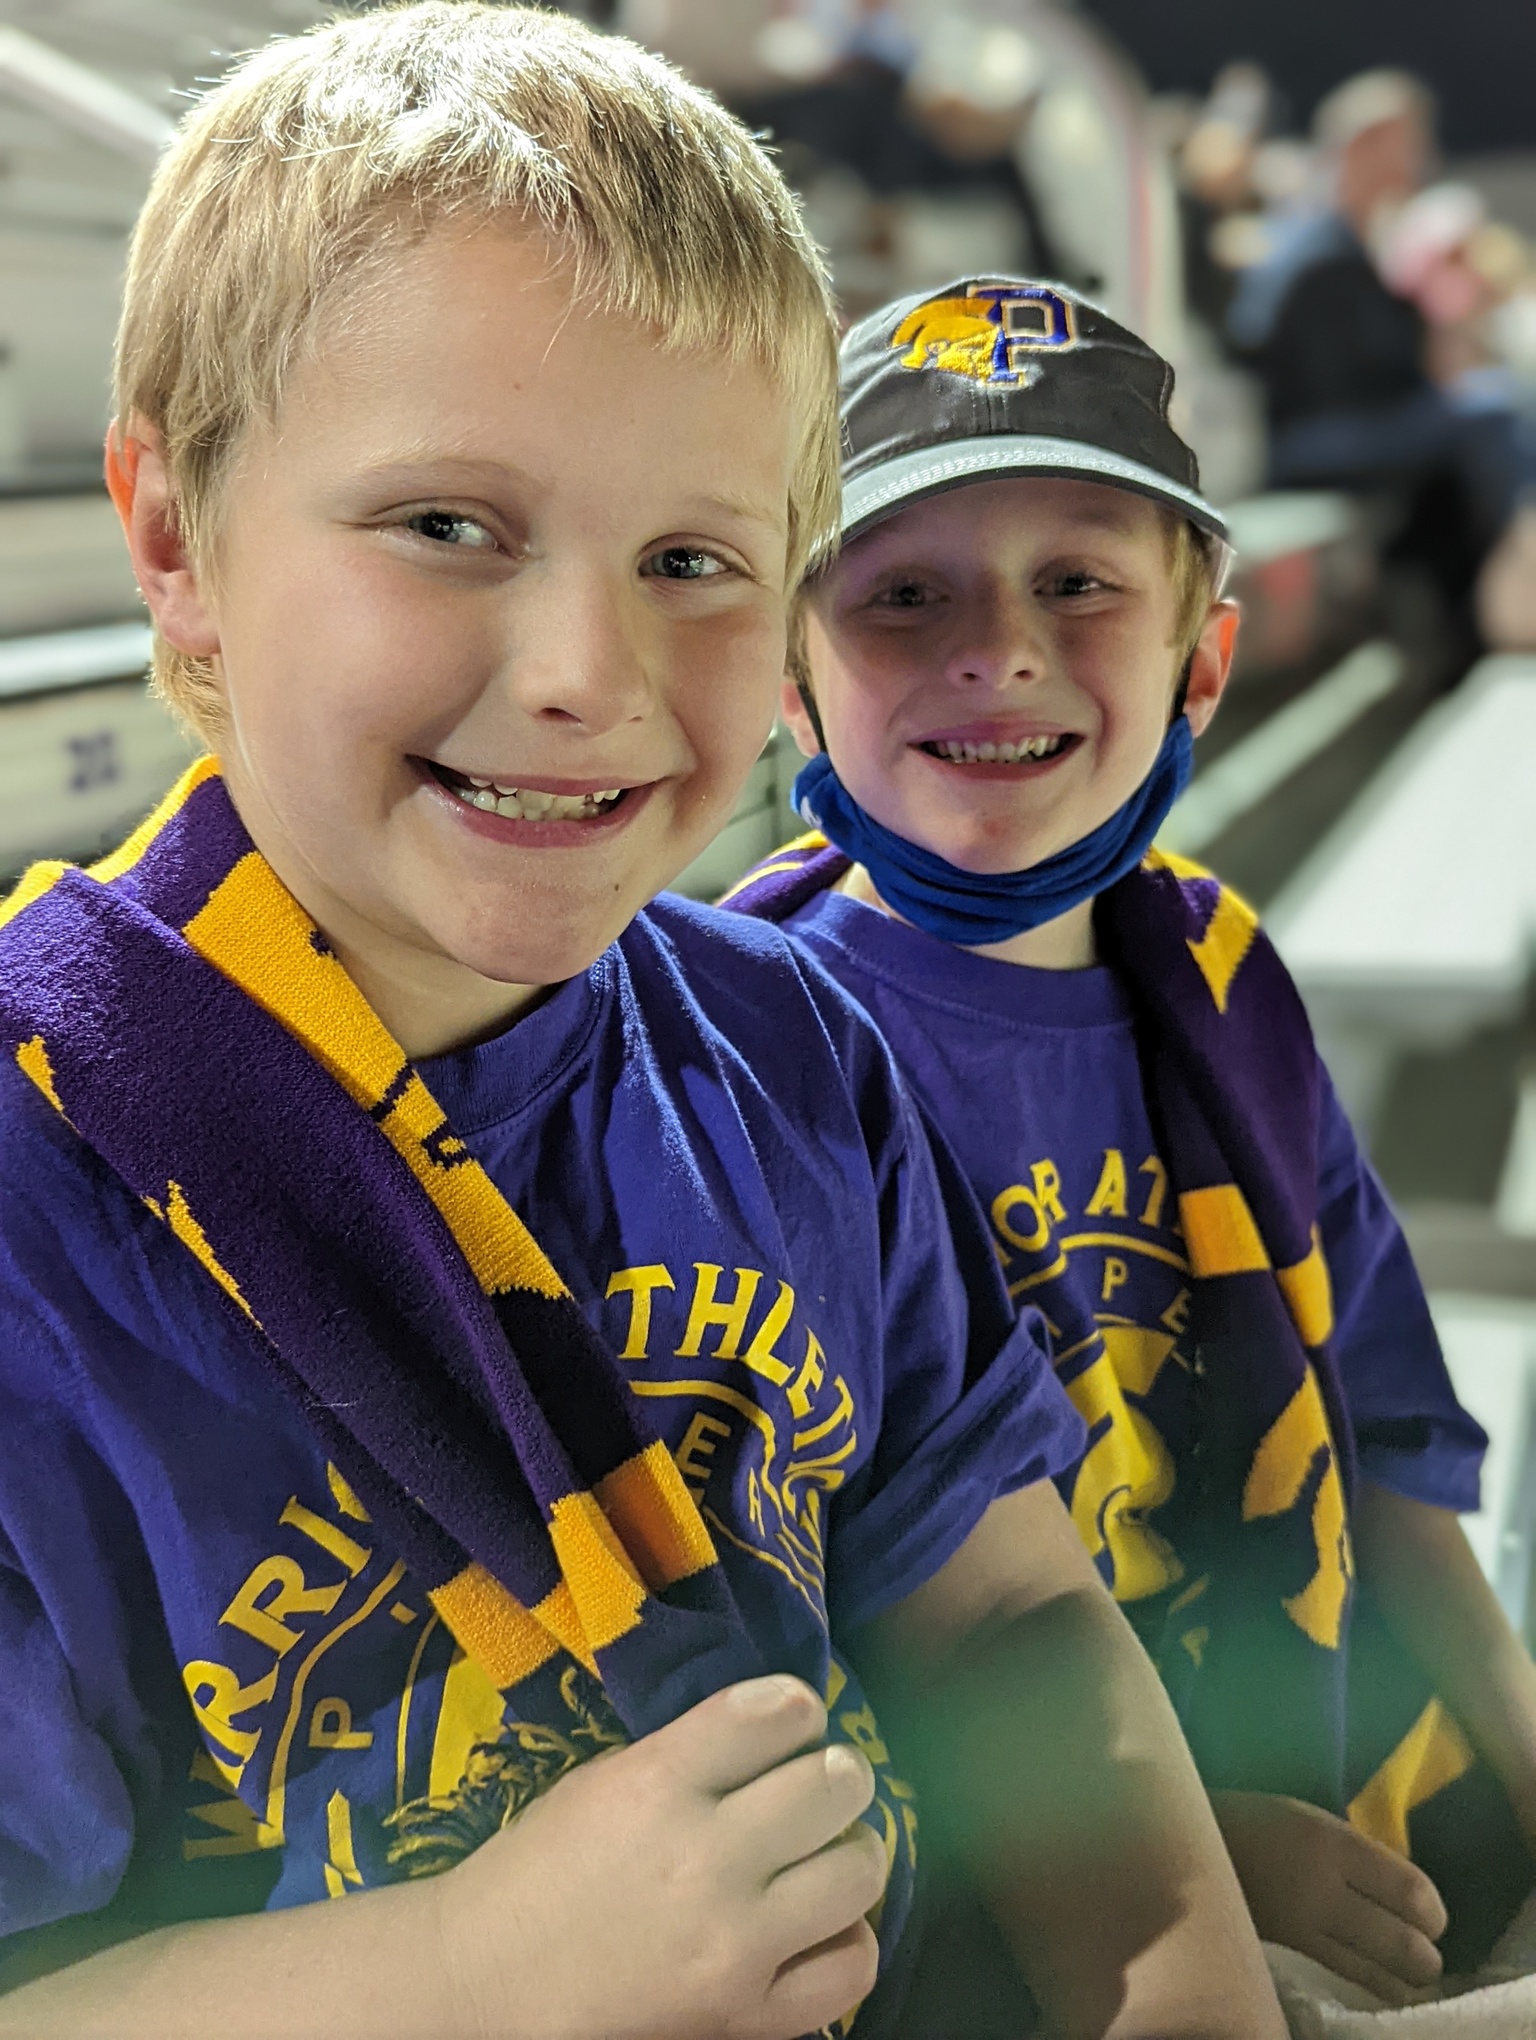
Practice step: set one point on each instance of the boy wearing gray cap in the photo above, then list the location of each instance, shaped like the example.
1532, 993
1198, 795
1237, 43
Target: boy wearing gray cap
999, 683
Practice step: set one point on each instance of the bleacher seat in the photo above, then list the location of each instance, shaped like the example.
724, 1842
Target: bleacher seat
1490, 1348
1413, 925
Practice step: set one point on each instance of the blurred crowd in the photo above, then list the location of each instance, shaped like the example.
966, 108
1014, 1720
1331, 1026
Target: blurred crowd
1343, 317
1390, 321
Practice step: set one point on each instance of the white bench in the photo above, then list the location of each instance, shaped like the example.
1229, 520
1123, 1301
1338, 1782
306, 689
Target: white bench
1413, 924
85, 749
1490, 1349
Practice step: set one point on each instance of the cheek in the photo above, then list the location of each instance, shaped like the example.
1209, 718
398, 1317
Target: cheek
723, 684
354, 651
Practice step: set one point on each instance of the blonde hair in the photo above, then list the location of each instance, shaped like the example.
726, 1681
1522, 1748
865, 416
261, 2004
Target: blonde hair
323, 155
1192, 570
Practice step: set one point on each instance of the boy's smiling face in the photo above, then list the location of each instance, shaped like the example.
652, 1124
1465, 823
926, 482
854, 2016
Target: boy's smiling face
1030, 621
494, 541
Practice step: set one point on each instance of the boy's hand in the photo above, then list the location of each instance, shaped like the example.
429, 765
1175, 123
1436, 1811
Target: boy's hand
1315, 1884
707, 1883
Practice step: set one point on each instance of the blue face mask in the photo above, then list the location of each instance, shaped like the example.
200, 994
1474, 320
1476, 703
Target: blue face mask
973, 908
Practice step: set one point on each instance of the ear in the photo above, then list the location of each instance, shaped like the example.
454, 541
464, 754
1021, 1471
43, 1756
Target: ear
140, 488
1211, 664
796, 717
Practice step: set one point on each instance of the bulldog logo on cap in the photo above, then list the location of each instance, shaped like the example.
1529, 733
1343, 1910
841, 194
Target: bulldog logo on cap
989, 333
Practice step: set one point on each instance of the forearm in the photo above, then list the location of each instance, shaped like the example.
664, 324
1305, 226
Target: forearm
1050, 1763
369, 1968
1420, 1570
1104, 1864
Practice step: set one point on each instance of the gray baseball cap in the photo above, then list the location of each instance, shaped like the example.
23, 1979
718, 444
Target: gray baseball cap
995, 376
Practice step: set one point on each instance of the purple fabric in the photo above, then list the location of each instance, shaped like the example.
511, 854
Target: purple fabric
1032, 1072
424, 1391
159, 1467
1232, 1087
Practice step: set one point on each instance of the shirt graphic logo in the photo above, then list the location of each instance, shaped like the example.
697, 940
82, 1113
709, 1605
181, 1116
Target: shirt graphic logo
989, 334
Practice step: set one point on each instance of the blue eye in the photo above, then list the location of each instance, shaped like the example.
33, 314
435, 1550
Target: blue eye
683, 563
447, 527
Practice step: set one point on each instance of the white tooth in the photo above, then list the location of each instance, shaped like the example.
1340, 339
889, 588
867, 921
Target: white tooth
1006, 754
612, 793
969, 753
477, 779
465, 794
986, 752
536, 805
1039, 746
951, 749
483, 798
510, 805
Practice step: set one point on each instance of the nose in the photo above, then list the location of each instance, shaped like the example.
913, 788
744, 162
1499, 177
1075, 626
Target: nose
998, 641
576, 654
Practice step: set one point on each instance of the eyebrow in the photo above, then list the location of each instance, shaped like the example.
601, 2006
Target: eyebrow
408, 468
744, 508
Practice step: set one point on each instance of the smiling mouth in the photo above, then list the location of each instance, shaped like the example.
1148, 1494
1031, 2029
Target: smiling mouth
525, 803
1027, 751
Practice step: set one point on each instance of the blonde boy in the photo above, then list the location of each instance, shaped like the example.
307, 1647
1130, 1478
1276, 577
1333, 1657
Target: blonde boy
434, 1356
1000, 680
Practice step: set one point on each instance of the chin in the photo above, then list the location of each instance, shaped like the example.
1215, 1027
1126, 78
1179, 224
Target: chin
518, 955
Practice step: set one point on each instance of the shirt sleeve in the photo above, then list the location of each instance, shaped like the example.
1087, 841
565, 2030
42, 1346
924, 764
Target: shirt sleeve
67, 1825
971, 1408
66, 1822
1411, 1433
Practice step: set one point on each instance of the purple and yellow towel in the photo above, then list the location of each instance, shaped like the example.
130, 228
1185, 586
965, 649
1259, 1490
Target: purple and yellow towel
177, 1006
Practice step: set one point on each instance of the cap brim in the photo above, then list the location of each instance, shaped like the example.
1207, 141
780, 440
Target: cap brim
881, 491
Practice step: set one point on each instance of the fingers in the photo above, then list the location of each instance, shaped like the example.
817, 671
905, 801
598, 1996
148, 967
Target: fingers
826, 1893
740, 1732
1357, 1967
818, 1987
1391, 1957
798, 1807
1391, 1881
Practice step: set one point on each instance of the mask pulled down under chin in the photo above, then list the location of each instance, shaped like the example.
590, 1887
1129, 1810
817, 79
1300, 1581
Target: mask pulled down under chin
975, 908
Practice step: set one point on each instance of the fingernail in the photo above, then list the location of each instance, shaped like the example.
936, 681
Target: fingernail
843, 1763
765, 1696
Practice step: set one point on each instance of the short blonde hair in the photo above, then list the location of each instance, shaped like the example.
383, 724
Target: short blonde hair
1193, 570
322, 155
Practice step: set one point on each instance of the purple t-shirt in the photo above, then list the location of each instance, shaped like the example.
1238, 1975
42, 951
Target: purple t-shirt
220, 1691
1033, 1079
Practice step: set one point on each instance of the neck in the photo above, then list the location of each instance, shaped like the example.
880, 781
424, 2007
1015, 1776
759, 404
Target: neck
430, 1012
1063, 944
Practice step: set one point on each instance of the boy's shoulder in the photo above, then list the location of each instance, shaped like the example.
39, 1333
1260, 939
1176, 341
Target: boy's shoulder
773, 1018
743, 973
48, 1171
64, 1215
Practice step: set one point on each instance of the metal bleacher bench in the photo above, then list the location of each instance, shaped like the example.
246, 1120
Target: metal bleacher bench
1413, 924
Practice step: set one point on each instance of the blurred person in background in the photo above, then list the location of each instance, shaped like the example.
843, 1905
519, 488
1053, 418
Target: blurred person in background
904, 143
1217, 162
1363, 323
